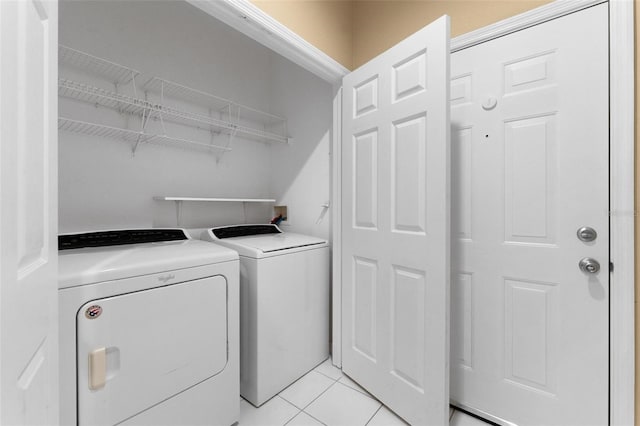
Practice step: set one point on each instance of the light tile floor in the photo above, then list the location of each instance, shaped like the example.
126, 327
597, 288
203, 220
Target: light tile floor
325, 396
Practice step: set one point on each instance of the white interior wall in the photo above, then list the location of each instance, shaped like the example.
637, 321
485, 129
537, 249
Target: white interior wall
301, 170
103, 186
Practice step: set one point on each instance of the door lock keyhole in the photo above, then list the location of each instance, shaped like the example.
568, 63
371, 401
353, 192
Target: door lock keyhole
587, 234
589, 265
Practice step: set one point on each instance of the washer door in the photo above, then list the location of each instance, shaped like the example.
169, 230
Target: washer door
137, 349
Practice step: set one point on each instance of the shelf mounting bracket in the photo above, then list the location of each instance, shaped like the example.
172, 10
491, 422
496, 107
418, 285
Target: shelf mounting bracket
178, 212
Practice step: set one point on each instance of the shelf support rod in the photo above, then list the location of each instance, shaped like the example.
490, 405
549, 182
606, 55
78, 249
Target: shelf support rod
145, 117
164, 130
244, 211
229, 140
178, 212
212, 132
133, 82
116, 86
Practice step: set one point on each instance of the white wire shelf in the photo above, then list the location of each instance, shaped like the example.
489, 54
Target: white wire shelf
217, 200
212, 113
100, 130
128, 135
243, 120
166, 88
130, 105
116, 73
97, 96
260, 135
187, 118
255, 115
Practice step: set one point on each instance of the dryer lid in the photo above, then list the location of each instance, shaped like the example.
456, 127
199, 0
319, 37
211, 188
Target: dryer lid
98, 264
119, 237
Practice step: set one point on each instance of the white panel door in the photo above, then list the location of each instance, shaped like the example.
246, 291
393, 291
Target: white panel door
28, 212
529, 329
395, 221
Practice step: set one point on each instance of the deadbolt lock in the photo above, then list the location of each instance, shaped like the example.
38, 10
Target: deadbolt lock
587, 234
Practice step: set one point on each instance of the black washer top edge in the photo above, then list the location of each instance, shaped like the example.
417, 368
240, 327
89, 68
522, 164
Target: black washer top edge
244, 231
118, 238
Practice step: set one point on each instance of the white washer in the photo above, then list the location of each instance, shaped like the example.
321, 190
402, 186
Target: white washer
284, 305
148, 329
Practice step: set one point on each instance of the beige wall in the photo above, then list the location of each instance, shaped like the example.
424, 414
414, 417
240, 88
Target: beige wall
327, 24
378, 25
352, 32
365, 28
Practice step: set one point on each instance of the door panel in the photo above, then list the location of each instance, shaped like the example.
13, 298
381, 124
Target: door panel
365, 148
28, 212
530, 164
364, 303
395, 198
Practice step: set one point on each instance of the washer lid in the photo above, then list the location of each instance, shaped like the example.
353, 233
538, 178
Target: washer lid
97, 264
268, 241
231, 231
276, 242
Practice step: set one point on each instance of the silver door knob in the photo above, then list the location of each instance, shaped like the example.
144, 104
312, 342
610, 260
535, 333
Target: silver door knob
589, 265
587, 234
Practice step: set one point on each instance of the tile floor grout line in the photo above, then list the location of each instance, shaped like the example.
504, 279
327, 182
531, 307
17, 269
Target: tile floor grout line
291, 419
364, 392
350, 388
303, 410
327, 376
374, 414
322, 393
295, 415
314, 418
334, 382
300, 378
368, 395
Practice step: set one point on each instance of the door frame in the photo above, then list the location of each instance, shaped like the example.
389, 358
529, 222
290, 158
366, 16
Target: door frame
255, 23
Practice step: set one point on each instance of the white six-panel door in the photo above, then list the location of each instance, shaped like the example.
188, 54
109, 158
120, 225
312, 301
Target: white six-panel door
395, 216
28, 212
529, 329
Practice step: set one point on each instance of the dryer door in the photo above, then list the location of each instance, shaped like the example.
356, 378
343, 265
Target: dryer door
135, 350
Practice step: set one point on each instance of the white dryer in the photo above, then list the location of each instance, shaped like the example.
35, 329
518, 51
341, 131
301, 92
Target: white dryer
284, 305
148, 329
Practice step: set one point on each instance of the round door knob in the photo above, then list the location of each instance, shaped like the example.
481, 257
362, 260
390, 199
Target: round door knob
589, 265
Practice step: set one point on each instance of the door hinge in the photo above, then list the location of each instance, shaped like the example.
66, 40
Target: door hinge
610, 266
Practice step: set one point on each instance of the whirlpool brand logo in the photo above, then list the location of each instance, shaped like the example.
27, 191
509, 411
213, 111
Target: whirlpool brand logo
93, 311
166, 278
